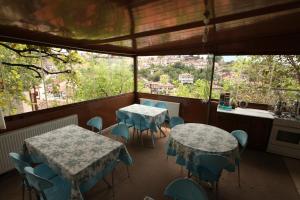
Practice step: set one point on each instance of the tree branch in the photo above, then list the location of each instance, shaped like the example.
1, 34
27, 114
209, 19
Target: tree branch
58, 56
36, 69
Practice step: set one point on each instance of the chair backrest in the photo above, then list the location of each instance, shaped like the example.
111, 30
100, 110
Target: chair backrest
148, 103
242, 138
175, 121
20, 161
121, 130
121, 116
209, 166
138, 120
35, 181
185, 189
161, 105
95, 122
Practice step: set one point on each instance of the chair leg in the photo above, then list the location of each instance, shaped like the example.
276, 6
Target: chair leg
112, 183
23, 190
127, 168
153, 138
29, 193
217, 189
239, 176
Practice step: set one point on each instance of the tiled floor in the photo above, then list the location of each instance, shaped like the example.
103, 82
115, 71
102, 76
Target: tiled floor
263, 176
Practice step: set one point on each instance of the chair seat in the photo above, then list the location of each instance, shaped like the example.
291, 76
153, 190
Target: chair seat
44, 171
60, 191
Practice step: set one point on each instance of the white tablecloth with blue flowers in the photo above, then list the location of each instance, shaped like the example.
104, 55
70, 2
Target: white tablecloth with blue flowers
76, 154
187, 141
155, 116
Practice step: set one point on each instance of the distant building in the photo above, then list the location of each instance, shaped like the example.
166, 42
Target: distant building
160, 88
186, 78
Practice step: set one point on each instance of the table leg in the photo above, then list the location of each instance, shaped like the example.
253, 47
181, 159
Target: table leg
162, 131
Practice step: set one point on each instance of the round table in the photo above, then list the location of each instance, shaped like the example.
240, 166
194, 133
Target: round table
189, 140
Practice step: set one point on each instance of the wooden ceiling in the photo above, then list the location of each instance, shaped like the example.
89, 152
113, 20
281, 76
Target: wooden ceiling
155, 27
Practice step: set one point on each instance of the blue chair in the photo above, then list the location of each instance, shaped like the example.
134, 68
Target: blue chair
176, 121
209, 168
21, 161
242, 138
89, 184
122, 117
185, 189
122, 131
141, 125
148, 103
167, 118
95, 122
54, 189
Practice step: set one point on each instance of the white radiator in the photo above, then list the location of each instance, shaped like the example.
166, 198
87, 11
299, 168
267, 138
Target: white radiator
12, 141
173, 107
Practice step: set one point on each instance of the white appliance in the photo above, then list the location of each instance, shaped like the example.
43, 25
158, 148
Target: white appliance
285, 137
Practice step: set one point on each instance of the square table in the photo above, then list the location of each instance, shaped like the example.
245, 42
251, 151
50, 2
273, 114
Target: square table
75, 153
155, 116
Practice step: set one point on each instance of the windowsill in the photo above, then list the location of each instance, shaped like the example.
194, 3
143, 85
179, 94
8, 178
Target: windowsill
249, 112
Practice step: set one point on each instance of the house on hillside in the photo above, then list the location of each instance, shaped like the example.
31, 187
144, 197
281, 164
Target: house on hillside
186, 78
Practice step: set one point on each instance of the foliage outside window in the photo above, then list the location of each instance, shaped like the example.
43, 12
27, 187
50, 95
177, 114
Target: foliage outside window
184, 76
258, 79
34, 77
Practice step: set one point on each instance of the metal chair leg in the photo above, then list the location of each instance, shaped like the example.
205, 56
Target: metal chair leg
239, 176
23, 190
127, 168
112, 183
217, 189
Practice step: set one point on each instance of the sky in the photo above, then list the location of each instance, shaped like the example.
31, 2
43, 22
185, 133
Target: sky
229, 58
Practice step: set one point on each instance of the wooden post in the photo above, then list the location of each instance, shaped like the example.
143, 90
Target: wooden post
135, 81
210, 89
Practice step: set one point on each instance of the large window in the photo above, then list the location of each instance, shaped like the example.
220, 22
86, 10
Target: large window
34, 78
184, 75
258, 79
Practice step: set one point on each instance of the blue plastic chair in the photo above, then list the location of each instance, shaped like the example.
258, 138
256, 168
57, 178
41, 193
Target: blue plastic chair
185, 189
141, 125
176, 121
148, 103
242, 138
209, 168
95, 122
21, 161
54, 189
86, 186
163, 105
121, 130
122, 117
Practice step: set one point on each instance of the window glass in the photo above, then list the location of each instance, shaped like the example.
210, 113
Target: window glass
258, 79
183, 76
34, 77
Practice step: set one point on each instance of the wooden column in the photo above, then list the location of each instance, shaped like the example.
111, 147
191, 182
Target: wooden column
135, 74
210, 88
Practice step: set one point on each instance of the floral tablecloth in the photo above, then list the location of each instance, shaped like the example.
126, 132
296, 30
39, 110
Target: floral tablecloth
76, 153
186, 141
155, 116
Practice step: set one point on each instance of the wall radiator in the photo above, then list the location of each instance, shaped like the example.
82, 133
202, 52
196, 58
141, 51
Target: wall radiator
173, 107
12, 141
